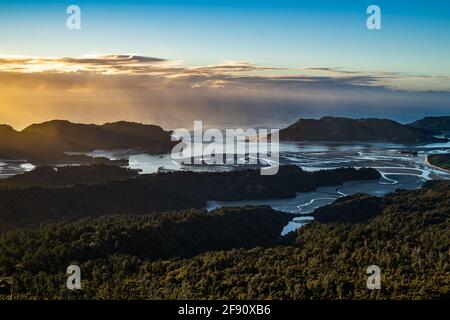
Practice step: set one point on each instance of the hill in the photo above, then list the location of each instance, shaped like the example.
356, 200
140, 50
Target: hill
433, 123
361, 208
65, 176
440, 160
363, 130
49, 142
160, 236
236, 254
110, 136
352, 209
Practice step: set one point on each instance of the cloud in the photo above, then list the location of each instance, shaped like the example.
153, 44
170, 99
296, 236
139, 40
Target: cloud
143, 71
109, 87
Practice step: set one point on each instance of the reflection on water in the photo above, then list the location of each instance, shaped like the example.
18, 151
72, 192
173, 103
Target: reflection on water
387, 158
152, 163
9, 168
401, 167
307, 202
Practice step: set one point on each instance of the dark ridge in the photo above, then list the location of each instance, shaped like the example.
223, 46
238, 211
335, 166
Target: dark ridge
5, 129
110, 136
361, 208
433, 123
250, 184
48, 142
363, 130
31, 207
64, 176
153, 237
440, 160
353, 209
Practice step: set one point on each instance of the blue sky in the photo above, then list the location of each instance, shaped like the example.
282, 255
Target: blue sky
222, 59
284, 33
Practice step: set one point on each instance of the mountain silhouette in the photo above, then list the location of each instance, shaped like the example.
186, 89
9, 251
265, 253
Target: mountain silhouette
433, 123
48, 142
364, 130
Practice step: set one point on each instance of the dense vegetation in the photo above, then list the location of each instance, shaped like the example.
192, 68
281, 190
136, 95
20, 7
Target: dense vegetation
344, 129
440, 160
250, 184
360, 208
352, 209
26, 253
441, 124
151, 257
30, 207
36, 206
46, 176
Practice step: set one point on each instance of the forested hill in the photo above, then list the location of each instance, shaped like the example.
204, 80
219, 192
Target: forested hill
31, 207
127, 257
362, 207
182, 234
158, 236
350, 130
65, 176
440, 160
433, 123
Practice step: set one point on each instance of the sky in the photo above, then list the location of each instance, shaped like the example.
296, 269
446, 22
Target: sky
225, 62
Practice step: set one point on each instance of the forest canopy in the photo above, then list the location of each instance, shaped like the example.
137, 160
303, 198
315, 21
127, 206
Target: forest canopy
237, 254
